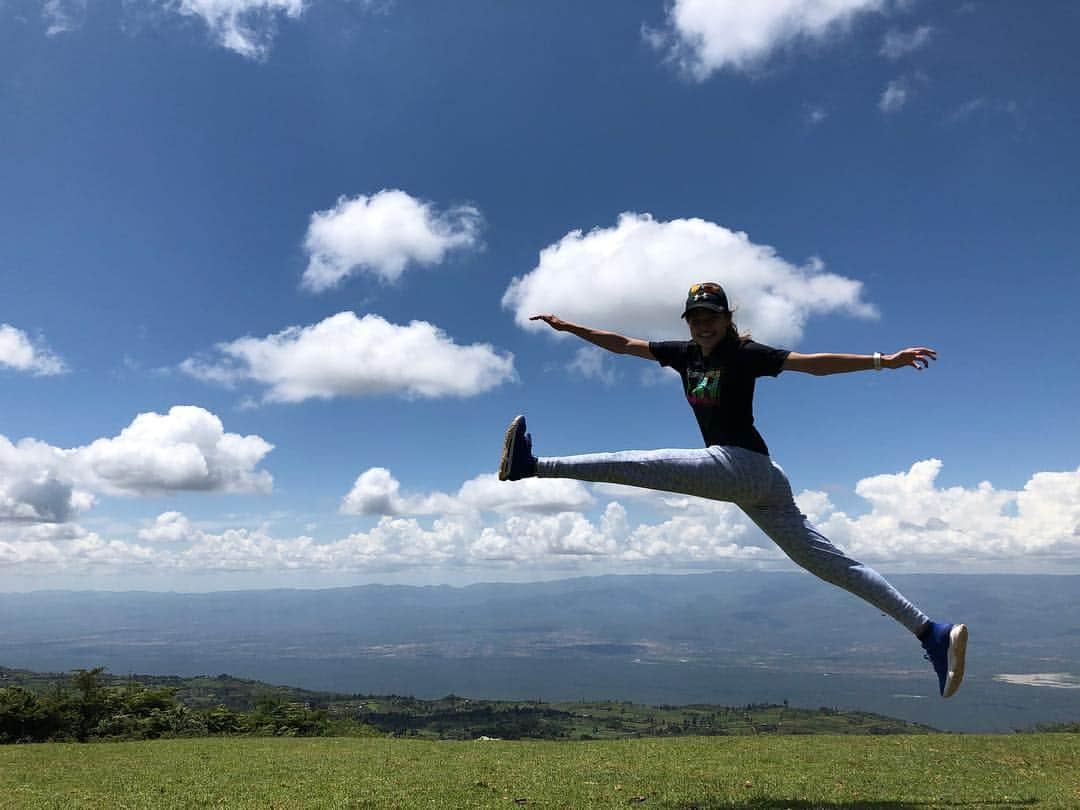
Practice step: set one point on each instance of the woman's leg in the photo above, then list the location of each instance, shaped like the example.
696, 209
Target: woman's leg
760, 489
718, 473
778, 516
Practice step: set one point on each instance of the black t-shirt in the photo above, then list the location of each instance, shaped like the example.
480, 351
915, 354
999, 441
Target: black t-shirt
720, 388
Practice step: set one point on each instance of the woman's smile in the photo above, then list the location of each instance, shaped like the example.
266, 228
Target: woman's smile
707, 328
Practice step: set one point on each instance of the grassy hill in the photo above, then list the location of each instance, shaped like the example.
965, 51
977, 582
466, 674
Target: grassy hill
947, 771
459, 718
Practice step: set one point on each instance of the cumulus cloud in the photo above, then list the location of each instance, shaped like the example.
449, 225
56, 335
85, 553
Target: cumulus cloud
565, 539
19, 352
26, 553
186, 449
705, 36
544, 520
901, 43
632, 278
70, 546
246, 27
684, 541
344, 355
93, 550
383, 234
541, 495
377, 492
35, 487
912, 519
169, 527
523, 538
911, 522
392, 544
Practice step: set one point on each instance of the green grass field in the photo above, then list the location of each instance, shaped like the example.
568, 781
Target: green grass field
1036, 770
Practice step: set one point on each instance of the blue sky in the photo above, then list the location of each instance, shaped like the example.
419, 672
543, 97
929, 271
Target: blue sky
260, 317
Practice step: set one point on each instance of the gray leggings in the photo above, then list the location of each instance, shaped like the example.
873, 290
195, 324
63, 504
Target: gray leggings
758, 486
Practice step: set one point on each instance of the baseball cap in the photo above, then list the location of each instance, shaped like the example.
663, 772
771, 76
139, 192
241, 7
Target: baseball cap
706, 295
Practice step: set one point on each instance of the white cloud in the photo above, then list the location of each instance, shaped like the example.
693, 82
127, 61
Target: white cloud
704, 36
593, 363
693, 542
34, 485
901, 43
815, 505
529, 538
44, 532
545, 522
246, 27
186, 449
24, 553
815, 114
19, 352
633, 278
344, 355
911, 519
392, 544
63, 15
71, 547
653, 375
383, 234
895, 95
911, 523
92, 550
377, 492
981, 106
486, 493
169, 527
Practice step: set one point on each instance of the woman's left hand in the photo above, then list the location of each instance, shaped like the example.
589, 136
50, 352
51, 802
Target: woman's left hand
918, 357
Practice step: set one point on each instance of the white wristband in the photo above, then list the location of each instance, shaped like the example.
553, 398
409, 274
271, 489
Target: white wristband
877, 361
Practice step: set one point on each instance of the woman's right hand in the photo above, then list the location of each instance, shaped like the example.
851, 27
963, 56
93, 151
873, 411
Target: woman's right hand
553, 321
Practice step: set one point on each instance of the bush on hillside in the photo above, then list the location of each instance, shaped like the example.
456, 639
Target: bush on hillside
93, 711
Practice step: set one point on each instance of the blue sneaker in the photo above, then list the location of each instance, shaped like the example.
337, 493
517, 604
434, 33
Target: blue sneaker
946, 646
517, 459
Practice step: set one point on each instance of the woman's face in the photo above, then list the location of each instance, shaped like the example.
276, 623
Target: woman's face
707, 328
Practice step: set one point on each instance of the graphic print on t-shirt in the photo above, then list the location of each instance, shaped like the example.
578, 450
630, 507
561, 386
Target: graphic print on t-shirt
703, 387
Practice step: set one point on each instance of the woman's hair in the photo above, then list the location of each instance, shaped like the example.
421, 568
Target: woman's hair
733, 332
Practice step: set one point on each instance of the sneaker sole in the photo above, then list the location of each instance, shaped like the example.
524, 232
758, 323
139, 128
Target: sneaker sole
508, 449
958, 638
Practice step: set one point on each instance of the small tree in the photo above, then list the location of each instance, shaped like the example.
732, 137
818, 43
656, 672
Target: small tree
92, 700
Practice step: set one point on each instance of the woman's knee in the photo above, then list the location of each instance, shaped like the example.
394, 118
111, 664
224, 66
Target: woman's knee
803, 544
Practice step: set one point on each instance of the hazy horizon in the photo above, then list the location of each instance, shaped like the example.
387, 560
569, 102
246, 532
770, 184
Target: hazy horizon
728, 638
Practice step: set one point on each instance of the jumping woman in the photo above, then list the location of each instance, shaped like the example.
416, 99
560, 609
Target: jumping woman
718, 369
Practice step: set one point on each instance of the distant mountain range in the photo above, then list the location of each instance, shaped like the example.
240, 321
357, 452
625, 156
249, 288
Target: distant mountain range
724, 638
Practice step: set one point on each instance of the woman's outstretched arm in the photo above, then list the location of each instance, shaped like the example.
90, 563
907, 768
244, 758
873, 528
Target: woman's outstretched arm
822, 364
612, 341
